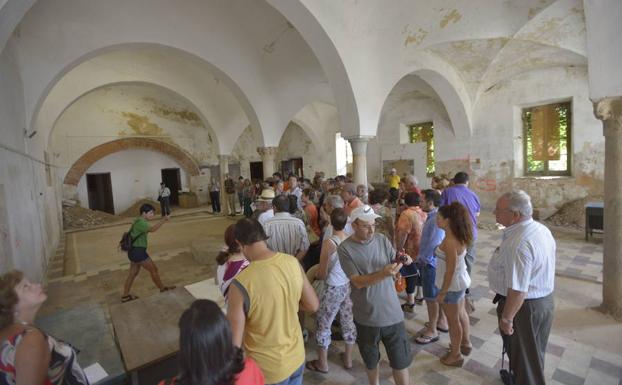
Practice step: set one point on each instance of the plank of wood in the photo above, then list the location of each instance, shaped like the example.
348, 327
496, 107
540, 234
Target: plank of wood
146, 329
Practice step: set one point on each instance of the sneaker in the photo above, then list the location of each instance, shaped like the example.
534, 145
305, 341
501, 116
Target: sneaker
409, 308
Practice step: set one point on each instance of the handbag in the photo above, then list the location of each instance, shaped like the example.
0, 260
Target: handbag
400, 284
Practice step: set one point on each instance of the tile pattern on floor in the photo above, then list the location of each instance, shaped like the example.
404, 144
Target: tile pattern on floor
567, 361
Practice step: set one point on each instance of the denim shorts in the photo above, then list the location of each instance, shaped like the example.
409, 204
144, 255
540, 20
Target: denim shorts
453, 297
428, 274
138, 254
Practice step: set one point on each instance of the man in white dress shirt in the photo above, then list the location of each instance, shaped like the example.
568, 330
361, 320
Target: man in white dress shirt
286, 234
522, 274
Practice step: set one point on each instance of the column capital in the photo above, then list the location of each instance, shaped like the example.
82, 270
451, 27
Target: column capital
359, 144
267, 151
359, 138
609, 110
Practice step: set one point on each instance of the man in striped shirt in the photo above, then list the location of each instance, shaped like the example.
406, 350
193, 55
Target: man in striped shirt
522, 274
286, 234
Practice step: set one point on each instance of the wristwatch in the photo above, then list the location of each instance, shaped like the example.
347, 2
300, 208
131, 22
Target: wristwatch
507, 321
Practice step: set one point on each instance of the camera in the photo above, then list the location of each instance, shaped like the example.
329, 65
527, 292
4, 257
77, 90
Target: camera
401, 257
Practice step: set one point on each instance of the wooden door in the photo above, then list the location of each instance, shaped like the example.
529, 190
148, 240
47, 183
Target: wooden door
172, 179
99, 188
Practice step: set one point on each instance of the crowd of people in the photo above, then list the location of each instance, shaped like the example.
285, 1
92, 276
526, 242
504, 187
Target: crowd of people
328, 247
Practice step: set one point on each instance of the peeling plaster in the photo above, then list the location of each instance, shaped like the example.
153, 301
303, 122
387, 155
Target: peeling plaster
415, 37
452, 17
140, 125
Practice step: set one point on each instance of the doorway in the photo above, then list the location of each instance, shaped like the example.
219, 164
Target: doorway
292, 166
256, 170
172, 179
99, 188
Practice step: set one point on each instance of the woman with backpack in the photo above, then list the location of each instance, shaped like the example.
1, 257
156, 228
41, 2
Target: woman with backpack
137, 252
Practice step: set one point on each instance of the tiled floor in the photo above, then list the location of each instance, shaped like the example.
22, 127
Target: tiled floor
585, 346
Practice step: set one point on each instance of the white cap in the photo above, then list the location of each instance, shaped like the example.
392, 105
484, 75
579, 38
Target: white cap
364, 213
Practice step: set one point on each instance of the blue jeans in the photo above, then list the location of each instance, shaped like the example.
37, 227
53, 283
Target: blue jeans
294, 379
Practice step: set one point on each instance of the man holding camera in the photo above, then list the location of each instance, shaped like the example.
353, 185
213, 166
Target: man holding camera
369, 260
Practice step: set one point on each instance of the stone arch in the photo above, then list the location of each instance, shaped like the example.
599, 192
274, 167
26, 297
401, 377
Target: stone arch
80, 166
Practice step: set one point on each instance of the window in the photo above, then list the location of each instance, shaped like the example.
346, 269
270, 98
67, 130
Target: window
546, 133
424, 133
343, 153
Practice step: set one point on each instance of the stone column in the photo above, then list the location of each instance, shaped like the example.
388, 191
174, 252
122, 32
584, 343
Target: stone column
268, 156
223, 161
359, 158
609, 110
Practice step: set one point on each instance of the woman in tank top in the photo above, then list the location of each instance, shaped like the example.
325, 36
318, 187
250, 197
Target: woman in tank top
336, 298
452, 278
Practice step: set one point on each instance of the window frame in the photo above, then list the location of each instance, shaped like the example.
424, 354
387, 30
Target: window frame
546, 172
429, 158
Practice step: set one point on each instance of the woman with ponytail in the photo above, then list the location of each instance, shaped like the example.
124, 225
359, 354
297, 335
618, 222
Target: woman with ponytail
230, 260
452, 278
207, 355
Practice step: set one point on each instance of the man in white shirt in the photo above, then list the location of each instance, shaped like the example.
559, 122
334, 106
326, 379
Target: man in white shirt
286, 234
264, 206
522, 274
294, 189
164, 195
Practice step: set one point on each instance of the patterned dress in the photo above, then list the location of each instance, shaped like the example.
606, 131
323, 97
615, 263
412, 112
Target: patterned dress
385, 225
63, 369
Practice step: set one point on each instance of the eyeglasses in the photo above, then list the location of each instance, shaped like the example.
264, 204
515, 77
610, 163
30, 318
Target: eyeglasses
367, 226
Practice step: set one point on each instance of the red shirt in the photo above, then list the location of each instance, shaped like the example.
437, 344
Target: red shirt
356, 202
250, 375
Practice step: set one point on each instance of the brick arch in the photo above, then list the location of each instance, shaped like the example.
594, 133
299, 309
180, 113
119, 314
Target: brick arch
96, 153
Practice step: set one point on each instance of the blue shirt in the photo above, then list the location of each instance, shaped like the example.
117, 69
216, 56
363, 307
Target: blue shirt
462, 194
431, 236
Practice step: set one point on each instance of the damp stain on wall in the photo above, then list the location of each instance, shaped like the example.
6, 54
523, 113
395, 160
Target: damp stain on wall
413, 37
452, 17
140, 125
179, 115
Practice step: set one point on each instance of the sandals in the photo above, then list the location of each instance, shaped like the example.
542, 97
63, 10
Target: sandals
128, 298
464, 349
409, 308
457, 363
422, 339
166, 288
312, 366
427, 324
419, 301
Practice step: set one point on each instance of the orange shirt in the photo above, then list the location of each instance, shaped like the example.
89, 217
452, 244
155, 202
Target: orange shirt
356, 202
410, 224
312, 213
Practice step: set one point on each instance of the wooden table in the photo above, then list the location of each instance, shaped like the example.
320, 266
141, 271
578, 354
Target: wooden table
147, 329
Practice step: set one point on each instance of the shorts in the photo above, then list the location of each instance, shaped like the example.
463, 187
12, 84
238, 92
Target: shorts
428, 274
138, 254
394, 339
453, 297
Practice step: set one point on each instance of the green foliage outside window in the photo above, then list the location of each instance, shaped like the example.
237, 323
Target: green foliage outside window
424, 132
555, 142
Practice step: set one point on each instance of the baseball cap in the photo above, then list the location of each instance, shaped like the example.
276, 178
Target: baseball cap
364, 213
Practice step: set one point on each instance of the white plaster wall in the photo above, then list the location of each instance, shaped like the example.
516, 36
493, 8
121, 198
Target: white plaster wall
135, 174
603, 46
115, 112
32, 227
412, 101
497, 138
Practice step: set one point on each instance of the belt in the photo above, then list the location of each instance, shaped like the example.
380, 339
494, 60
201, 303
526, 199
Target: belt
502, 298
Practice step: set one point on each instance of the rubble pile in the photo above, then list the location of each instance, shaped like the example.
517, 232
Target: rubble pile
572, 214
76, 217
